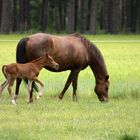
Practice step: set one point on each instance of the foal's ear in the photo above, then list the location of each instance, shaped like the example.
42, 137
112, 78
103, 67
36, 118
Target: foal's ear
46, 55
107, 77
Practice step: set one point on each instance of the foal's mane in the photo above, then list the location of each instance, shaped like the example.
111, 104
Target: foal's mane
35, 60
95, 53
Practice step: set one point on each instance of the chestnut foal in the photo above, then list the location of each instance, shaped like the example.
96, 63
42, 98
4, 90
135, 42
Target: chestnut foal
28, 71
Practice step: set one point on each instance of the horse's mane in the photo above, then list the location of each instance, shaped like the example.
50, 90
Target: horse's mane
97, 57
89, 45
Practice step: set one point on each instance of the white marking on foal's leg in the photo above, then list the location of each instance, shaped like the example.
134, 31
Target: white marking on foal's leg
13, 102
40, 94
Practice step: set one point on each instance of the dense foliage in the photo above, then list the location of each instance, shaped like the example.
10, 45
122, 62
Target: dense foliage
84, 16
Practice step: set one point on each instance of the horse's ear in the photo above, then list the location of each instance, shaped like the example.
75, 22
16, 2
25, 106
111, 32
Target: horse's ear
107, 77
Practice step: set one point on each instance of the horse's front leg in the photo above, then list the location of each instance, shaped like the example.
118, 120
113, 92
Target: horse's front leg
69, 80
74, 85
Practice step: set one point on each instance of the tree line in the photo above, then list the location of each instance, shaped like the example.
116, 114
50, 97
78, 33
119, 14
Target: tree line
84, 16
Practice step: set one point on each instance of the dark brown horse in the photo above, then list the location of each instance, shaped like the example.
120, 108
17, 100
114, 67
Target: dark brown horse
72, 52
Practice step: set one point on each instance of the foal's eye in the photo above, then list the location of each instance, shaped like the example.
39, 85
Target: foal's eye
106, 89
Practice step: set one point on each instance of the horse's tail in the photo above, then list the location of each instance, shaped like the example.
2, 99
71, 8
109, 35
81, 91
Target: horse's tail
21, 51
21, 56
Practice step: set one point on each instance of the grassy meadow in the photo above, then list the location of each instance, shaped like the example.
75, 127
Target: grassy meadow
87, 119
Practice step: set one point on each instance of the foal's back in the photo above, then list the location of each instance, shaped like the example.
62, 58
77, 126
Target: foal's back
28, 70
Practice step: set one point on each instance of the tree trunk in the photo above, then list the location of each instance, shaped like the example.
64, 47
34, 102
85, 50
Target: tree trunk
105, 15
114, 16
0, 11
44, 15
58, 19
76, 15
134, 16
24, 15
110, 16
92, 26
70, 16
14, 16
83, 15
5, 17
138, 16
127, 15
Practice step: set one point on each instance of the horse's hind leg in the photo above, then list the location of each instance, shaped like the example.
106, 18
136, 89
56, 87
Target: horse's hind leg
18, 82
69, 80
74, 84
30, 84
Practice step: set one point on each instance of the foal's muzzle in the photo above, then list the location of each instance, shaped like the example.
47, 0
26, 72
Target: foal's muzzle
56, 67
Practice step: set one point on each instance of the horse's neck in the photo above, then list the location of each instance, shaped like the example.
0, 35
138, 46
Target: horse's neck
98, 65
99, 72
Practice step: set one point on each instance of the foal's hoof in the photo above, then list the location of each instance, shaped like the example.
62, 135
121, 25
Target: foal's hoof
37, 98
13, 102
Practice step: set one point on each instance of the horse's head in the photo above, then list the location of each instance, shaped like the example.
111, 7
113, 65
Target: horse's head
51, 63
102, 88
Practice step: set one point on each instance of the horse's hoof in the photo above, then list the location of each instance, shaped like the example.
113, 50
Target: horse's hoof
74, 97
60, 97
30, 101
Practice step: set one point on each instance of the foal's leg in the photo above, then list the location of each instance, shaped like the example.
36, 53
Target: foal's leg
42, 86
11, 82
69, 80
3, 85
74, 84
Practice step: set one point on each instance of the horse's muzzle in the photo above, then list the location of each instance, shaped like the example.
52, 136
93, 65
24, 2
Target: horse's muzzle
103, 99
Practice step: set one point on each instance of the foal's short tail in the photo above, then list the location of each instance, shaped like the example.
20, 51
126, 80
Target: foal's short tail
21, 55
4, 71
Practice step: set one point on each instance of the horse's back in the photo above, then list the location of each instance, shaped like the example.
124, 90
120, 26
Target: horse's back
69, 51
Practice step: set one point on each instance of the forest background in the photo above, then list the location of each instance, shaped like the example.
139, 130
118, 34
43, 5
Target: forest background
68, 16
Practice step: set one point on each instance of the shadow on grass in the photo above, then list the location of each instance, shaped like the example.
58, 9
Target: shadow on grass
129, 137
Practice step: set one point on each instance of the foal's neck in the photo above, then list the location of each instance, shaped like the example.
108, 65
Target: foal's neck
40, 62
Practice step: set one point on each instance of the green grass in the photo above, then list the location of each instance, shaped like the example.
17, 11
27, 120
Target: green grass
87, 119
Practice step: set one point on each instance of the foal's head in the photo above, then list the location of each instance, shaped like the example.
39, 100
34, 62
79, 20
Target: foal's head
102, 88
51, 63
